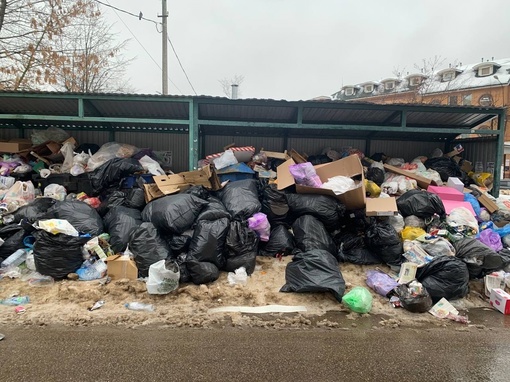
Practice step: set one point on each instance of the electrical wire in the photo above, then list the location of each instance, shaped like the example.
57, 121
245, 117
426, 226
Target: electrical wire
179, 60
126, 12
143, 47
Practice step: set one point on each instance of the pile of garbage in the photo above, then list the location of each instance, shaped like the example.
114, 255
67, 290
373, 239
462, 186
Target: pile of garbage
139, 220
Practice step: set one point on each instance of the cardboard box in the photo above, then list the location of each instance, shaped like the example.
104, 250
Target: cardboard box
455, 183
121, 267
494, 280
488, 203
349, 166
500, 300
382, 206
446, 193
172, 184
15, 145
152, 192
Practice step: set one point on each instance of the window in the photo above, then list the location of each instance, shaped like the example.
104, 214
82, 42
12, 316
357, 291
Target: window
484, 71
448, 76
452, 100
349, 91
415, 81
435, 101
369, 88
466, 100
485, 100
390, 85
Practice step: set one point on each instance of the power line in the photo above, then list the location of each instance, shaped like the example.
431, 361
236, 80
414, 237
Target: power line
179, 60
143, 47
139, 16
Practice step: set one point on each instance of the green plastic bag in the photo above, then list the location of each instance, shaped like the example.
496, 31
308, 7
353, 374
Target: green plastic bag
358, 300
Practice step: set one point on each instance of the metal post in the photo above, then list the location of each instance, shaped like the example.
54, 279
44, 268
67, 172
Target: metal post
499, 153
164, 18
193, 135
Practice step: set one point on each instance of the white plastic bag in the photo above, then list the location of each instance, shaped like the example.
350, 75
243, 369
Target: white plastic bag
109, 151
238, 277
55, 226
21, 193
151, 165
226, 159
55, 191
340, 184
68, 153
6, 182
163, 277
461, 217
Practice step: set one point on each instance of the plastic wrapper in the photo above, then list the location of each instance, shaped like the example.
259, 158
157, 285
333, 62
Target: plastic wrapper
325, 208
439, 247
260, 225
339, 184
414, 297
384, 241
380, 282
411, 233
110, 151
358, 300
240, 198
147, 247
226, 159
151, 166
174, 213
432, 175
55, 191
479, 258
57, 255
208, 241
6, 182
241, 247
111, 172
446, 277
79, 214
414, 221
314, 271
164, 277
304, 173
54, 134
462, 220
310, 234
281, 242
56, 226
119, 222
420, 203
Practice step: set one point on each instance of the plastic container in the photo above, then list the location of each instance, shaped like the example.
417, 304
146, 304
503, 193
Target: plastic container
139, 306
16, 259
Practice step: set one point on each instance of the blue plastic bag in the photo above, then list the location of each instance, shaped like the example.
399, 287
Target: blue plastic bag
474, 203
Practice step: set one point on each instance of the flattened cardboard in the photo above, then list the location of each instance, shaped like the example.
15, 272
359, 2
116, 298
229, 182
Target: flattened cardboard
420, 180
152, 191
349, 166
382, 207
121, 267
488, 203
172, 184
15, 145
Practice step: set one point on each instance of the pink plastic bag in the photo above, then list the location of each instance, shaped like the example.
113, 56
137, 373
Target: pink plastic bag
305, 174
260, 225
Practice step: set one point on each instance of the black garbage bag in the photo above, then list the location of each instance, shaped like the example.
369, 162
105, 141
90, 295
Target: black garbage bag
241, 247
446, 167
419, 303
208, 242
214, 210
13, 235
325, 208
310, 234
420, 203
183, 268
480, 259
445, 276
352, 249
180, 243
57, 255
319, 159
240, 198
81, 216
201, 272
135, 198
198, 191
148, 247
112, 172
274, 204
376, 175
383, 240
356, 220
35, 210
115, 199
281, 242
173, 213
314, 271
119, 223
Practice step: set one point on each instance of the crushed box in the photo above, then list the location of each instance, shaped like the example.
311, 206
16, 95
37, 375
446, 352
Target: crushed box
349, 166
121, 267
500, 300
488, 203
455, 183
381, 206
451, 198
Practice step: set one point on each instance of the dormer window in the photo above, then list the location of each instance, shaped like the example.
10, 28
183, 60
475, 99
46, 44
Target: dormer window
448, 76
415, 81
368, 88
349, 91
390, 85
484, 71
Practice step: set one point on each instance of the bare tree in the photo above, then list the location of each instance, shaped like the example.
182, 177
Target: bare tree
226, 84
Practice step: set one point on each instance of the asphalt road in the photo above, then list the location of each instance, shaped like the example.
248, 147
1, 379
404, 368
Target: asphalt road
157, 354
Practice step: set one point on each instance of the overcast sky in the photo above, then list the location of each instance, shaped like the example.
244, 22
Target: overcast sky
300, 49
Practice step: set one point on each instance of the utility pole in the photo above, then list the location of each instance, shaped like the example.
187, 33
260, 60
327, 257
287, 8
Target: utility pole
164, 17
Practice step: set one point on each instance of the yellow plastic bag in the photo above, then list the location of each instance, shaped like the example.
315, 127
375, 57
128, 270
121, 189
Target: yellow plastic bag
411, 233
483, 179
372, 189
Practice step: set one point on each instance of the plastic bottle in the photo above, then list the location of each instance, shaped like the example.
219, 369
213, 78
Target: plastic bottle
13, 301
17, 258
139, 306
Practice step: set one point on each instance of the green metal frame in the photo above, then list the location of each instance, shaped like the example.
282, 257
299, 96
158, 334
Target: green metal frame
396, 122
